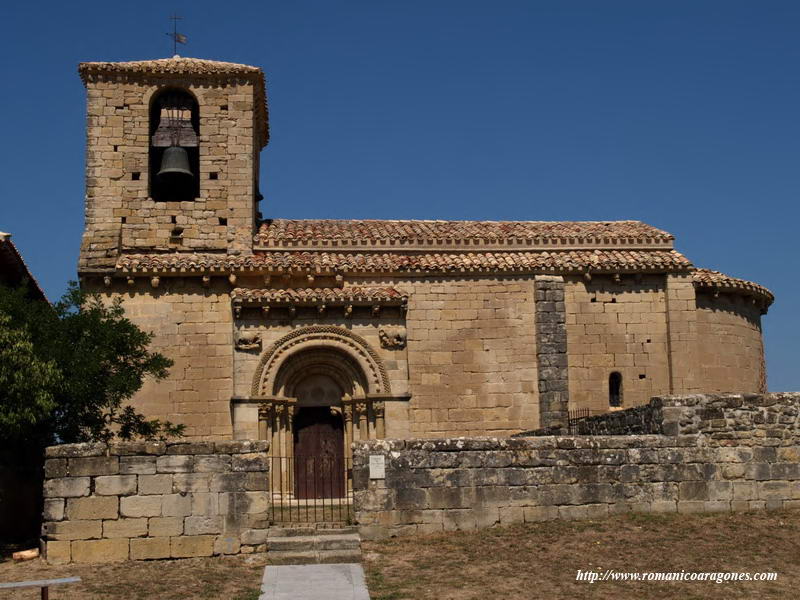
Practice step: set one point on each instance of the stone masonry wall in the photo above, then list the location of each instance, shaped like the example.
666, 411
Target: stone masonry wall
146, 500
730, 344
616, 326
716, 453
471, 356
551, 351
119, 212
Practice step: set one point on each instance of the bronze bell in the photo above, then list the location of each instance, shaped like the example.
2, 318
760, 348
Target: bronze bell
175, 161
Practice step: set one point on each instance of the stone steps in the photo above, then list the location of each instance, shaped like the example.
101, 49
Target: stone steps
308, 545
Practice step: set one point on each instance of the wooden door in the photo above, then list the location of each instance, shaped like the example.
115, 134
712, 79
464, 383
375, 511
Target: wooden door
318, 453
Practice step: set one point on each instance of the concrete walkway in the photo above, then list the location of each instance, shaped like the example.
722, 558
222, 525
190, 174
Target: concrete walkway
314, 582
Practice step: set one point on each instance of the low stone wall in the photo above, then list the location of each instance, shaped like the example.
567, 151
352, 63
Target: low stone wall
714, 453
146, 500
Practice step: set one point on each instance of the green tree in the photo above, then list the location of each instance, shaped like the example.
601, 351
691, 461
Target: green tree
98, 359
28, 383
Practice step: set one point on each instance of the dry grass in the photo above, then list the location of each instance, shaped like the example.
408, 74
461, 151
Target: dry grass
541, 560
230, 578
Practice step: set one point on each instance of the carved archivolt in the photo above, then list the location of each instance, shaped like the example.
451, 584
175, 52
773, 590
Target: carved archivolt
320, 345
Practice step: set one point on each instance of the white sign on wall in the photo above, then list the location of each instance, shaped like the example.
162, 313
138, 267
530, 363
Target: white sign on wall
377, 466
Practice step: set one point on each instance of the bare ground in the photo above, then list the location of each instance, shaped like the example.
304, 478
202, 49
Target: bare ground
541, 560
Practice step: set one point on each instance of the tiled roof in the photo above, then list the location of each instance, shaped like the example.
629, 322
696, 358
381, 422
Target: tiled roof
559, 261
714, 280
180, 66
349, 233
176, 65
332, 296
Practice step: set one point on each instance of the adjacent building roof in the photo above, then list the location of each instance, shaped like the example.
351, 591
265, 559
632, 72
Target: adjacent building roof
14, 271
322, 234
180, 66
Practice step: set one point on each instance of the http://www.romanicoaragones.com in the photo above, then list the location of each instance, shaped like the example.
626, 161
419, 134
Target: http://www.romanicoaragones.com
712, 576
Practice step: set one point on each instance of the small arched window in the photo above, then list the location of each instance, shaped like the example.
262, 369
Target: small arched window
615, 389
174, 154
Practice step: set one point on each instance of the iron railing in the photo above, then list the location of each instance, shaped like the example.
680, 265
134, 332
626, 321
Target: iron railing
311, 489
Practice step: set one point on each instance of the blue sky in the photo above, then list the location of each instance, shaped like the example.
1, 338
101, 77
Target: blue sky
680, 113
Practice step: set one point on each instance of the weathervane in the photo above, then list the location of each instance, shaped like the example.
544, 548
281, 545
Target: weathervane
177, 38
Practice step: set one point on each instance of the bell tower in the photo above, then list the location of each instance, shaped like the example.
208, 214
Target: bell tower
172, 158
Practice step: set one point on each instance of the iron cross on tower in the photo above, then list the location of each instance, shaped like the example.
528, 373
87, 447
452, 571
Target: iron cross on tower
177, 38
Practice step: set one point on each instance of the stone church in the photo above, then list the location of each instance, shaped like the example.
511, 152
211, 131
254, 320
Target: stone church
299, 331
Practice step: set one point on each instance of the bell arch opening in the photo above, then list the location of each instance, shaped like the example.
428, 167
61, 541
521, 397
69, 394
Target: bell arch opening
174, 157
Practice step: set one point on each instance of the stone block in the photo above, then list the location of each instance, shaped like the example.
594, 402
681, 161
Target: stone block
175, 464
664, 506
55, 467
155, 484
115, 485
140, 506
202, 525
205, 504
165, 526
228, 482
150, 548
100, 551
137, 448
53, 509
92, 507
137, 465
76, 450
73, 530
189, 546
188, 447
254, 537
175, 505
589, 511
692, 490
691, 506
227, 544
94, 465
58, 552
213, 463
191, 482
125, 528
255, 461
256, 481
66, 487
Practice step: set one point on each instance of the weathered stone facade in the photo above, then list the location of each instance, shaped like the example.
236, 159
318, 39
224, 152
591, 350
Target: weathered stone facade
677, 454
403, 328
145, 500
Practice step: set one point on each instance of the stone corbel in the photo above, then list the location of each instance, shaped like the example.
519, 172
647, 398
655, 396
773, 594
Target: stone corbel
393, 338
248, 341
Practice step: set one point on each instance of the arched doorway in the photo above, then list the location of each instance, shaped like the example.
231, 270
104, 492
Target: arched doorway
321, 388
319, 465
